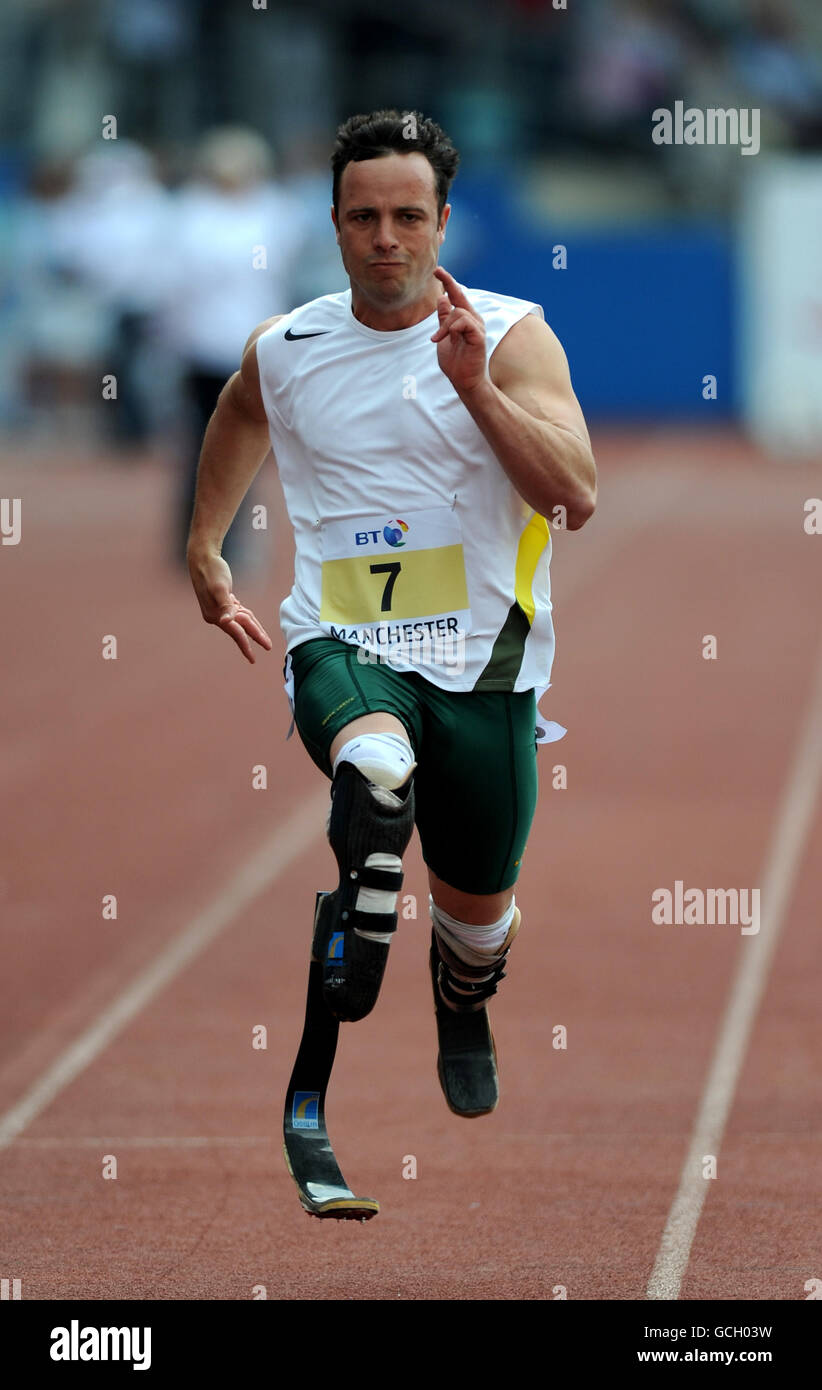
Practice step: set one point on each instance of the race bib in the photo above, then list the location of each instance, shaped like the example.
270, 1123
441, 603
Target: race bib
404, 575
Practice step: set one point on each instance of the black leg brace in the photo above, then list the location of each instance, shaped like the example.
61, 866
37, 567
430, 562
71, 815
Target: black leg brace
466, 988
360, 825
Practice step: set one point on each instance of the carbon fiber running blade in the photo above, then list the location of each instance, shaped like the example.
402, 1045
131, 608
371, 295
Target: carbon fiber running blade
309, 1156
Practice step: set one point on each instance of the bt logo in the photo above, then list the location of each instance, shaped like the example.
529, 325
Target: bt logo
392, 533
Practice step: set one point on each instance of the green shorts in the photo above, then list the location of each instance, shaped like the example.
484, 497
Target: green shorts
476, 781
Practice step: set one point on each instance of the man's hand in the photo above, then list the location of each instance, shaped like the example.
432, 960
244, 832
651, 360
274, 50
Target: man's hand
460, 337
211, 578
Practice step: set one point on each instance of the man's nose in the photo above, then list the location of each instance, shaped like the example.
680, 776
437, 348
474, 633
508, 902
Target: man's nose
384, 234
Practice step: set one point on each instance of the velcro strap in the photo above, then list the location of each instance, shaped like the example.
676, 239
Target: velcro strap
390, 880
465, 995
369, 921
459, 967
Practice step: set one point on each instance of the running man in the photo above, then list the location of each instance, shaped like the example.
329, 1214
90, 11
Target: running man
423, 433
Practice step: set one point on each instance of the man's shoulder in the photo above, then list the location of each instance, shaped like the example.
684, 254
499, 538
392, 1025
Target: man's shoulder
488, 302
317, 317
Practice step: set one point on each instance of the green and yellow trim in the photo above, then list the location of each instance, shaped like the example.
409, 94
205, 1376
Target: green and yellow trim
532, 543
508, 650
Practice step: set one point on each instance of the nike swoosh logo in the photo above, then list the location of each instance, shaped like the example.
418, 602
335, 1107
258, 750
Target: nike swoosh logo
292, 336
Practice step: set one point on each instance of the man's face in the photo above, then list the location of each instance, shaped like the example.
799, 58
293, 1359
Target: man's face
387, 227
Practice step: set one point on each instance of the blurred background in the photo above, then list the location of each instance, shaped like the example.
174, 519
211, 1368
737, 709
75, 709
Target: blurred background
165, 181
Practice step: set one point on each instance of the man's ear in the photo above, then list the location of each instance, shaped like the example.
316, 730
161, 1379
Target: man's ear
446, 213
334, 220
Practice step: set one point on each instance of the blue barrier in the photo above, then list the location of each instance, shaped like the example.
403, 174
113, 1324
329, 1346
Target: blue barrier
643, 314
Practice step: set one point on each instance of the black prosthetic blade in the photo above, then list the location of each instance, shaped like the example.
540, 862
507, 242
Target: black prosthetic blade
309, 1156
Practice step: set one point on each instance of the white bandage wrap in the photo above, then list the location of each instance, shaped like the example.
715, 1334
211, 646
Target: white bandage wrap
475, 945
385, 759
378, 899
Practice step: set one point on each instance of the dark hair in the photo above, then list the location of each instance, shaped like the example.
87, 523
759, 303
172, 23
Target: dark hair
395, 132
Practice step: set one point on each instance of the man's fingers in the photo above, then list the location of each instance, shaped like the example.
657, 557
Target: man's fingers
220, 605
447, 321
448, 281
458, 321
243, 621
234, 630
452, 289
228, 607
252, 624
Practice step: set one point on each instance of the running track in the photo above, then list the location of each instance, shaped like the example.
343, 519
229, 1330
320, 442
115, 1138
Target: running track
133, 1037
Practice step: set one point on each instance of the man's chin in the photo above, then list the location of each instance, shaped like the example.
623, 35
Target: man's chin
389, 287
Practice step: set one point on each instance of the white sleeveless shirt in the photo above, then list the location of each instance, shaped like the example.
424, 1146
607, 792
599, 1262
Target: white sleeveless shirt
411, 542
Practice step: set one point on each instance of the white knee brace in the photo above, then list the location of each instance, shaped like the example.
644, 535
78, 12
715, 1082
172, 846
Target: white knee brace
385, 759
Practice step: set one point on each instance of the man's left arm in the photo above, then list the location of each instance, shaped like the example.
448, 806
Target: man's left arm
524, 404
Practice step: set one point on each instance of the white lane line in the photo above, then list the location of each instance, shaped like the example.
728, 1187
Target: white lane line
792, 823
255, 877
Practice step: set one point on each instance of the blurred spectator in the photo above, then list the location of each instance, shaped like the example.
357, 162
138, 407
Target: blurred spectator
779, 70
318, 269
61, 325
109, 273
629, 56
123, 212
149, 43
232, 245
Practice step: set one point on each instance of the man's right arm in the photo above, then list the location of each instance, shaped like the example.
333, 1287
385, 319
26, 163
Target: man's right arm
236, 443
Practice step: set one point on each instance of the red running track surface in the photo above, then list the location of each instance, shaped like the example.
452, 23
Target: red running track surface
134, 777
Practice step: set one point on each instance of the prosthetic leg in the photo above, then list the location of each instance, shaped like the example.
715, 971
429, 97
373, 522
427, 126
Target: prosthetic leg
467, 1057
309, 1156
369, 828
